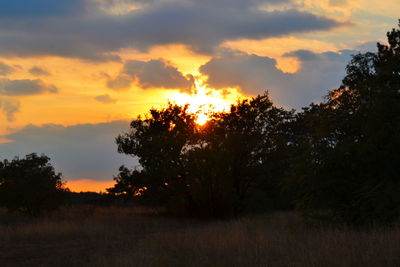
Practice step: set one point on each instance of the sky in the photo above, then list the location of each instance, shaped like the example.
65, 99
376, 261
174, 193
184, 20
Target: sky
74, 73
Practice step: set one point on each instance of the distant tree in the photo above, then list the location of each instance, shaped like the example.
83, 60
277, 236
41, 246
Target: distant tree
30, 185
348, 147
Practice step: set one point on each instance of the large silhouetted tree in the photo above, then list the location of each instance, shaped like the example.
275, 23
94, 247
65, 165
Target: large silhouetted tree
30, 185
346, 165
205, 170
339, 157
236, 154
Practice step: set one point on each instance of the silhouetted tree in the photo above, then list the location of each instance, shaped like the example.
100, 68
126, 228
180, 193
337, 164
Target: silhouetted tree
348, 147
158, 141
236, 154
339, 157
30, 185
204, 170
130, 184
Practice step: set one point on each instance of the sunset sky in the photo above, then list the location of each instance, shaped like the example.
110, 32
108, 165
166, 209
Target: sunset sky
73, 73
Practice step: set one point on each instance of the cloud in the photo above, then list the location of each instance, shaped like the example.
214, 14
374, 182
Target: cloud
5, 69
25, 87
151, 74
9, 107
81, 29
254, 74
122, 81
106, 99
38, 71
368, 46
85, 151
338, 2
40, 8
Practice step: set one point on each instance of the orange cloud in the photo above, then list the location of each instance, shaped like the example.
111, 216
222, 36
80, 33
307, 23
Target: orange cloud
276, 47
80, 82
180, 56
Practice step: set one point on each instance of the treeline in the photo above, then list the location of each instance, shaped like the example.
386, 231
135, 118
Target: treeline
337, 160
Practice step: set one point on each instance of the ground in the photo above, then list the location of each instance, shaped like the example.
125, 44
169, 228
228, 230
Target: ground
134, 236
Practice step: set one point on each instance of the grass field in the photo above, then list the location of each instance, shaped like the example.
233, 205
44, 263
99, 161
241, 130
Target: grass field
126, 236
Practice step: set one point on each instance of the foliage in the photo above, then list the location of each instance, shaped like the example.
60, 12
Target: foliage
158, 141
30, 185
204, 170
339, 158
235, 154
347, 147
89, 198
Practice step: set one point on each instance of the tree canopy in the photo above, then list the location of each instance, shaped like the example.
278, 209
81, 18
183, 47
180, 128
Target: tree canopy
349, 145
337, 159
30, 185
208, 169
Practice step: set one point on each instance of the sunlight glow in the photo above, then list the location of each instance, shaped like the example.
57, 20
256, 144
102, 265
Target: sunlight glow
202, 119
204, 100
89, 185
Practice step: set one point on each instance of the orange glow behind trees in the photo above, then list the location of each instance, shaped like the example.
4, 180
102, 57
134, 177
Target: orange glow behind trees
206, 101
88, 185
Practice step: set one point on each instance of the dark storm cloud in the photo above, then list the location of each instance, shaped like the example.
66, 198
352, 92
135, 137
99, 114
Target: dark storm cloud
5, 69
88, 33
25, 87
38, 71
151, 74
254, 75
80, 151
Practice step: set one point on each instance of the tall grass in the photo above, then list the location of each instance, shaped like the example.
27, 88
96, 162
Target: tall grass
114, 236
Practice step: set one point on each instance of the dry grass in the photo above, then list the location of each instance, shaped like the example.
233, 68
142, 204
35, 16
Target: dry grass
141, 237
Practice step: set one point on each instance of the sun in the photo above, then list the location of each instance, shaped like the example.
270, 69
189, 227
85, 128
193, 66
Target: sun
204, 101
202, 119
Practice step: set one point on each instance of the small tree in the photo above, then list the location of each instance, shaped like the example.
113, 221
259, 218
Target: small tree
30, 185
